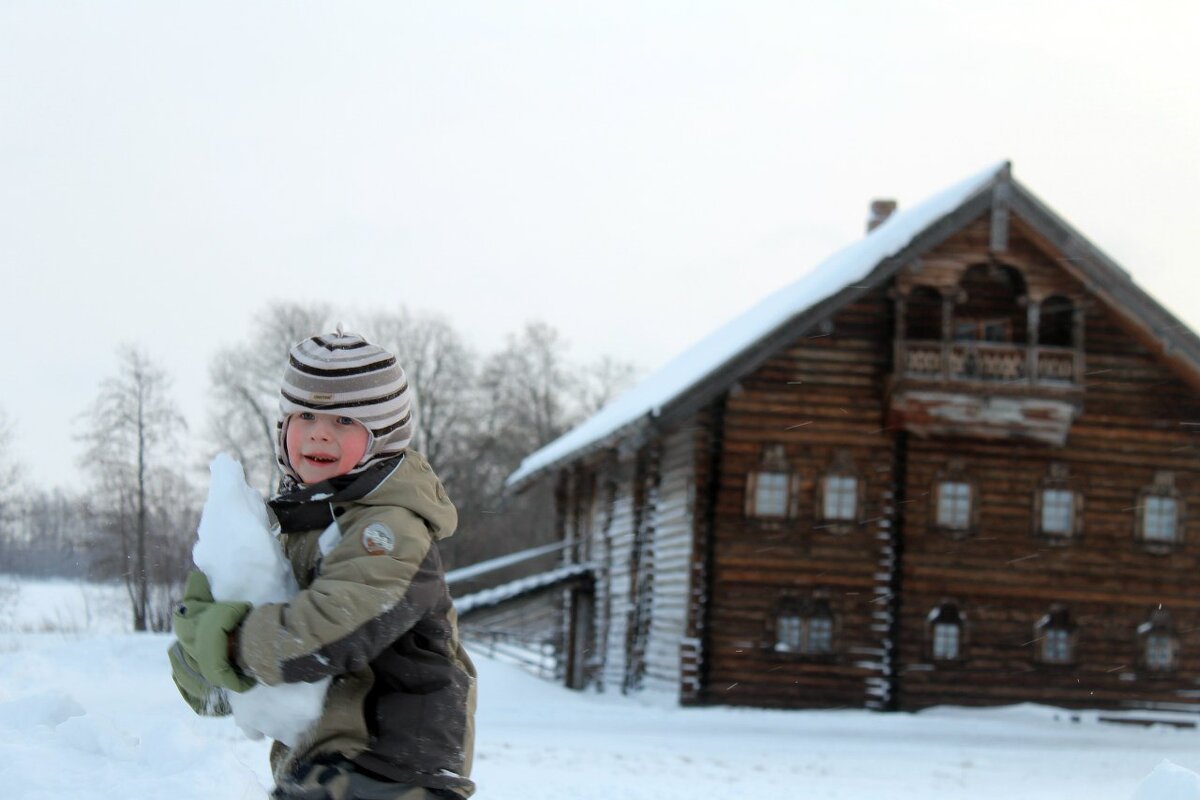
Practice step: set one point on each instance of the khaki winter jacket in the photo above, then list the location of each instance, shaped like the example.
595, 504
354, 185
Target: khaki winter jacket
374, 612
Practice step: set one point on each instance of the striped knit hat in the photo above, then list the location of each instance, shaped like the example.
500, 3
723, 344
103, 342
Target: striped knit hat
341, 373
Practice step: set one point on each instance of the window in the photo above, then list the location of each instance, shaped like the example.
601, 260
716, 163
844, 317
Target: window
944, 632
1055, 637
992, 304
954, 505
820, 635
841, 497
945, 641
1158, 519
1058, 511
1056, 646
838, 497
789, 631
1056, 322
771, 489
804, 628
1157, 642
1159, 523
1057, 506
1159, 652
771, 494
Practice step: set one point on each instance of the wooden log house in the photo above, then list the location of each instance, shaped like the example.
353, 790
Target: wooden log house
954, 464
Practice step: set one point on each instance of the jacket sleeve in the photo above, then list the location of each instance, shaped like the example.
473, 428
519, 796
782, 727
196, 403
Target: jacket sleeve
360, 603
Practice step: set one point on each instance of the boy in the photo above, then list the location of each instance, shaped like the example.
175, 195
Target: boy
358, 517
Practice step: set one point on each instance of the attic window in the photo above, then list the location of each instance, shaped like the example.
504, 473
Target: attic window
1056, 322
992, 309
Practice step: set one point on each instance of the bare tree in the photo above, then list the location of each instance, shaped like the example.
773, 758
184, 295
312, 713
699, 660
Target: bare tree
131, 431
46, 536
528, 386
441, 375
8, 471
245, 387
601, 381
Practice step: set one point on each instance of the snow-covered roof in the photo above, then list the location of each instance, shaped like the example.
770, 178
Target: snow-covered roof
843, 269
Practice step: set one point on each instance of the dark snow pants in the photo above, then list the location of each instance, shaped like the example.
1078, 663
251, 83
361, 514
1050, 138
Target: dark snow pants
342, 780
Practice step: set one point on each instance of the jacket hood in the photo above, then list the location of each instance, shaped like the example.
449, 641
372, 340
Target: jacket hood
412, 484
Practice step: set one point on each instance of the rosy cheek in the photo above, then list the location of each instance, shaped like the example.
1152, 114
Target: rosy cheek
358, 445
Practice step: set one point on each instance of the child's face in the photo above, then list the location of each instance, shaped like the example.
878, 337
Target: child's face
323, 446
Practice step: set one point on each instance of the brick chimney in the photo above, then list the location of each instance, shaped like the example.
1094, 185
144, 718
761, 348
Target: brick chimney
880, 211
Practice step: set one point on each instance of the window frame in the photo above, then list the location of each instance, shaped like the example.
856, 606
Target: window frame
955, 472
947, 613
1058, 481
1161, 488
805, 613
1058, 621
841, 468
1157, 626
773, 461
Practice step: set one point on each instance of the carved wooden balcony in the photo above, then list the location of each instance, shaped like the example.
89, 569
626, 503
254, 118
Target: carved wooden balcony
990, 390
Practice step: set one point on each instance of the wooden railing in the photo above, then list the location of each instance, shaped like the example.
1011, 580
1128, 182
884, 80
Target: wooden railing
538, 655
990, 362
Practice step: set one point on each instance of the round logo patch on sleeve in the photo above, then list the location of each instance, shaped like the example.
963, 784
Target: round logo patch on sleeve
378, 539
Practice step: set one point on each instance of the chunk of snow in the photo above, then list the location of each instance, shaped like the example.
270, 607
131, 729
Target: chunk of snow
243, 561
1169, 781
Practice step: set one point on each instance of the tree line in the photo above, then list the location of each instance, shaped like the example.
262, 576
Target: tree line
477, 415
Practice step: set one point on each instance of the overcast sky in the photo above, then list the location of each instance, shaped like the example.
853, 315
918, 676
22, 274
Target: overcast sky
634, 173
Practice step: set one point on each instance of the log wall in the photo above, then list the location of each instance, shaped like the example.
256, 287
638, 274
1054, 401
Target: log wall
672, 558
822, 398
1004, 577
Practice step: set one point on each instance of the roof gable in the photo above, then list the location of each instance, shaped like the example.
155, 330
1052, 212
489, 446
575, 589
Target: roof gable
693, 378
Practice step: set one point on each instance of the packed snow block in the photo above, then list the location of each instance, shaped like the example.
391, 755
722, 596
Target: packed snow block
243, 561
1169, 781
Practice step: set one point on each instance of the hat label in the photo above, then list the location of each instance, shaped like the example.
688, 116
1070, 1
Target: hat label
378, 539
321, 397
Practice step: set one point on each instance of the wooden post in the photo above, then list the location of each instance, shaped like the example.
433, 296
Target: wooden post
1033, 315
1077, 340
947, 318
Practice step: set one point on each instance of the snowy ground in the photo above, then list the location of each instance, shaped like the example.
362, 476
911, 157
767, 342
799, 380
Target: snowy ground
92, 713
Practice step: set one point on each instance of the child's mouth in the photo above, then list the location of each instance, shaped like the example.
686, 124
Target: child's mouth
320, 458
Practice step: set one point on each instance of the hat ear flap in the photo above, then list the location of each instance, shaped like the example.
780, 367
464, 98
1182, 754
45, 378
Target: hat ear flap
369, 452
281, 451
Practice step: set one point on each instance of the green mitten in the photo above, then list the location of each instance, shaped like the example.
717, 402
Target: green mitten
202, 696
202, 626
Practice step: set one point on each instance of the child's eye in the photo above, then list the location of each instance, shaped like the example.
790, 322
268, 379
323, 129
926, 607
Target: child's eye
345, 421
307, 415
